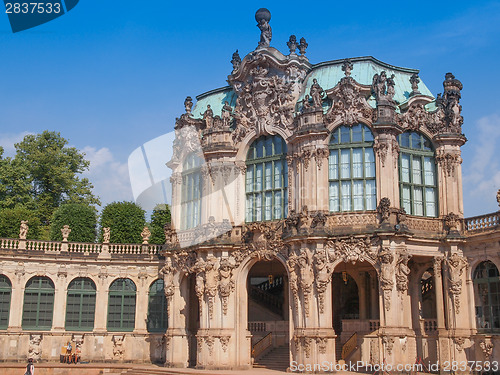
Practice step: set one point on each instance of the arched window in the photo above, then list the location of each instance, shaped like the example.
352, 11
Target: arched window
121, 307
266, 179
417, 175
38, 303
191, 192
351, 170
5, 292
428, 296
80, 305
157, 307
487, 297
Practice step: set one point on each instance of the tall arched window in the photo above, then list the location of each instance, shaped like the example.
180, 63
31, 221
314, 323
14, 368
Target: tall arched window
351, 170
157, 307
417, 175
38, 303
121, 307
487, 297
266, 179
5, 293
191, 192
80, 305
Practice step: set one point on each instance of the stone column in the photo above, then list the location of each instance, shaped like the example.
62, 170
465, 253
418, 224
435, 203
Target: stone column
58, 320
386, 150
141, 314
438, 284
16, 303
101, 305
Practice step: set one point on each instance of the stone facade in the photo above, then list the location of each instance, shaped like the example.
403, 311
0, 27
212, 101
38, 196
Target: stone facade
392, 256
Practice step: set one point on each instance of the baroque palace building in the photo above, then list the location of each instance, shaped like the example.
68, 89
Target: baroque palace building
317, 215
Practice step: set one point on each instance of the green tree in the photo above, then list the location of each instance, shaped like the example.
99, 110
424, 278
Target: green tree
53, 171
159, 217
126, 220
81, 218
15, 183
10, 221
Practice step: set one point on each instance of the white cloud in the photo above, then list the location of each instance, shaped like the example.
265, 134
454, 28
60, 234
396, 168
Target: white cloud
108, 175
8, 140
482, 175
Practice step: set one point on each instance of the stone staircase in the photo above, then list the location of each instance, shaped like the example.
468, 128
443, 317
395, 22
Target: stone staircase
277, 359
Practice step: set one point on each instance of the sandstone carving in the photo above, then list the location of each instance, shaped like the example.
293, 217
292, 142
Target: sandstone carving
65, 231
23, 230
145, 234
455, 267
35, 347
385, 259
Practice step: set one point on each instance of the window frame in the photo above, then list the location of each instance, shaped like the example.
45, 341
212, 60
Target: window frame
253, 161
488, 282
337, 147
39, 292
421, 154
124, 295
85, 299
159, 308
5, 309
190, 172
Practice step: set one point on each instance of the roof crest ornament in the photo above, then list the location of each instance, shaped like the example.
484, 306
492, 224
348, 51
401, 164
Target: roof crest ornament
263, 16
303, 46
347, 67
292, 44
236, 61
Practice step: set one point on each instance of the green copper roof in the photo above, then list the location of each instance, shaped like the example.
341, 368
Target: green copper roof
328, 75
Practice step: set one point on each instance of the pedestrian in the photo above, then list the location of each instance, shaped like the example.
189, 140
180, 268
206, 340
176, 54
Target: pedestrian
30, 369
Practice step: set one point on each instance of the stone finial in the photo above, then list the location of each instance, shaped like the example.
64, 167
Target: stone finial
347, 67
384, 209
450, 104
106, 235
498, 197
292, 44
23, 229
65, 231
303, 46
236, 60
414, 80
145, 234
263, 16
188, 104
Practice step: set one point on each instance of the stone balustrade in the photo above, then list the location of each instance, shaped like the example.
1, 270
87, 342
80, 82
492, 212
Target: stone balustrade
482, 223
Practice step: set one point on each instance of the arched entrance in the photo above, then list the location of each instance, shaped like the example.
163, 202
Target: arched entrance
355, 307
268, 313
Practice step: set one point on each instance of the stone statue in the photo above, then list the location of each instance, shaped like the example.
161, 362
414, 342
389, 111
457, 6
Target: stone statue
226, 283
23, 230
106, 235
390, 87
385, 259
168, 277
35, 347
316, 94
188, 104
226, 114
145, 234
65, 231
414, 80
402, 272
292, 44
347, 67
208, 116
236, 60
379, 85
323, 269
170, 235
384, 209
263, 16
455, 265
303, 46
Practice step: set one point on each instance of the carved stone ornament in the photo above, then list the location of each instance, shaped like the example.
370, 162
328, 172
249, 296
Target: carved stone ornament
106, 234
455, 267
322, 342
263, 16
65, 231
352, 249
452, 222
459, 342
170, 236
210, 340
118, 347
388, 343
168, 272
323, 269
320, 155
384, 210
303, 46
224, 342
207, 282
292, 44
414, 80
448, 161
487, 348
188, 104
383, 87
415, 118
347, 67
402, 271
226, 283
381, 148
266, 97
236, 61
498, 197
349, 105
385, 259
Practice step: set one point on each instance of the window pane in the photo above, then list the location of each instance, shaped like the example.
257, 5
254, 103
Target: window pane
334, 196
418, 206
406, 199
278, 204
430, 202
368, 134
358, 195
357, 133
346, 196
345, 134
357, 163
278, 174
429, 171
258, 207
258, 178
416, 143
371, 195
416, 170
405, 140
345, 163
268, 176
333, 164
268, 205
269, 147
249, 179
369, 163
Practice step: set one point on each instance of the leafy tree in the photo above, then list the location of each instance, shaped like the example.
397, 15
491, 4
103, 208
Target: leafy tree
159, 217
15, 183
10, 221
126, 220
81, 218
52, 169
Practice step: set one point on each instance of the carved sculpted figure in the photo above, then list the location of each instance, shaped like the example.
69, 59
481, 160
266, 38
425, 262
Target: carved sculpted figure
402, 272
379, 85
35, 349
106, 235
188, 104
236, 60
455, 265
316, 93
385, 259
226, 283
168, 277
384, 209
23, 230
226, 114
65, 231
323, 269
266, 33
208, 116
304, 262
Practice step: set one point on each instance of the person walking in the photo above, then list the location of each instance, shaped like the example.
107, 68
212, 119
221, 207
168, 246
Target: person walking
30, 369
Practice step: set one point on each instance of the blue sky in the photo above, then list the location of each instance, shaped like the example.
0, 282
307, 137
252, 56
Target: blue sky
111, 75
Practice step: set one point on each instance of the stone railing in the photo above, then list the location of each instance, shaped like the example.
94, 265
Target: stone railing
360, 325
430, 325
426, 224
350, 346
78, 247
262, 345
482, 223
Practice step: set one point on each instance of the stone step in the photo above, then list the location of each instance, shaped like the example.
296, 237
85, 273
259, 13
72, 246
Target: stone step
277, 359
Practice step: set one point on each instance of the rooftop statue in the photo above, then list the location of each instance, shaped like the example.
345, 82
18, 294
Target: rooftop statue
263, 16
